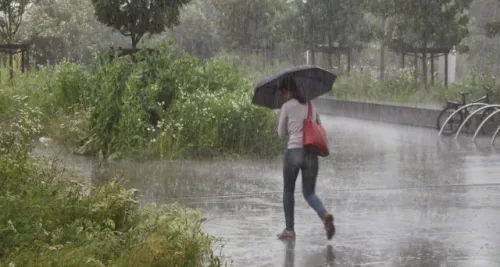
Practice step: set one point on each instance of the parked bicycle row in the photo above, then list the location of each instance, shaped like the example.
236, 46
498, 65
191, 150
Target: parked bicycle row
479, 117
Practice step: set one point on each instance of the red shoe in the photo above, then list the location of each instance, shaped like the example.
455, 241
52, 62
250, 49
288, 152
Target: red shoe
329, 227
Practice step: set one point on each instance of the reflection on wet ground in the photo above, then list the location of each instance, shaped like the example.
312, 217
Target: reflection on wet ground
401, 197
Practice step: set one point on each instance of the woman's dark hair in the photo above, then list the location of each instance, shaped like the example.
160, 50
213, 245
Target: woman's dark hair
290, 84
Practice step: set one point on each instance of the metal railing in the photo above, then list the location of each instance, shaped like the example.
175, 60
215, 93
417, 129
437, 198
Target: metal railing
483, 107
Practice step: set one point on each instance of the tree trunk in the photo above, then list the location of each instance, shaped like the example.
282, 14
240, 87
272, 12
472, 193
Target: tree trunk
446, 70
329, 60
312, 36
23, 63
382, 62
415, 63
349, 54
135, 40
432, 68
329, 54
11, 66
424, 67
339, 61
312, 45
382, 51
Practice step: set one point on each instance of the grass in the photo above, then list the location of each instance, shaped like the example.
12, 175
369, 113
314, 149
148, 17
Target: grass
399, 88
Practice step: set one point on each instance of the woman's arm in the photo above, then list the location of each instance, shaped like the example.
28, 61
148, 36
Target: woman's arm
283, 122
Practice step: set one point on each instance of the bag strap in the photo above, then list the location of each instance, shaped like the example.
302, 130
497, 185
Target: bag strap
309, 110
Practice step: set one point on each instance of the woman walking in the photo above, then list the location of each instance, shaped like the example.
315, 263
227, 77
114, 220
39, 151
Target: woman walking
297, 158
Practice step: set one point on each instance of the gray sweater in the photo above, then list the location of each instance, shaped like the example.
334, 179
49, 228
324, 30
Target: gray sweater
291, 122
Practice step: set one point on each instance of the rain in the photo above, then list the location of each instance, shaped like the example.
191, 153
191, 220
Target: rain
147, 133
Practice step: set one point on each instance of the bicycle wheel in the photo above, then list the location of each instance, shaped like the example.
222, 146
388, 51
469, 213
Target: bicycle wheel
489, 127
452, 125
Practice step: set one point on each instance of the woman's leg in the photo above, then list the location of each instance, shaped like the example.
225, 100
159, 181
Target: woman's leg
309, 176
291, 167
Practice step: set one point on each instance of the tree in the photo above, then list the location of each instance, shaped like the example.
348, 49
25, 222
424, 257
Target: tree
196, 32
135, 18
65, 29
303, 25
492, 28
249, 26
429, 24
335, 23
484, 53
11, 15
295, 23
383, 10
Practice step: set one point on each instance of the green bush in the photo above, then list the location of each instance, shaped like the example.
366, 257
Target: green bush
51, 219
107, 108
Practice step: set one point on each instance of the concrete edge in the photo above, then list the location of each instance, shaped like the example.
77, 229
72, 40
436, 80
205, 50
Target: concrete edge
393, 114
388, 103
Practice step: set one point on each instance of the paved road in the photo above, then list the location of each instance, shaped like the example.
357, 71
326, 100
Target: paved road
401, 197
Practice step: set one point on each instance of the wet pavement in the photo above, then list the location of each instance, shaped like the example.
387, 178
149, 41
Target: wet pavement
401, 197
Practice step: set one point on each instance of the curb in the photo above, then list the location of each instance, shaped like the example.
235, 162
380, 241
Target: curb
402, 115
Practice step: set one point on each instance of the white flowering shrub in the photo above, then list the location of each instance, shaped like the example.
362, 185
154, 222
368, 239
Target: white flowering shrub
208, 124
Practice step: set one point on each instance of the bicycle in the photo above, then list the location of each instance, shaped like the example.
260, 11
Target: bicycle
455, 122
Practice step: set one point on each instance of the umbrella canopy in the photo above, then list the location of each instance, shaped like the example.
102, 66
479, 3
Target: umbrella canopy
312, 82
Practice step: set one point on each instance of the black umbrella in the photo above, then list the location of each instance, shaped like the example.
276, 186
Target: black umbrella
312, 82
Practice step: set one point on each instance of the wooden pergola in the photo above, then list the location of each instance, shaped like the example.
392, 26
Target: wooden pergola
418, 52
264, 50
338, 50
13, 49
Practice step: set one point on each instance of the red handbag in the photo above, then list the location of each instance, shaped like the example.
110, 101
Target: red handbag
315, 139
